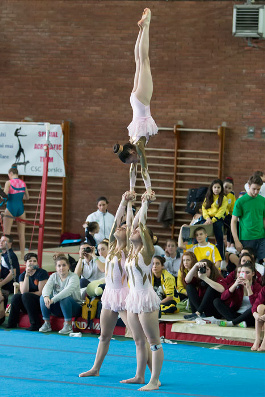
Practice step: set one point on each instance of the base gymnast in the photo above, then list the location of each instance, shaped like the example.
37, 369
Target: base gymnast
116, 290
142, 126
142, 303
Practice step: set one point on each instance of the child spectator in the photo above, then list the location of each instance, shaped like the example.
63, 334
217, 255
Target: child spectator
204, 284
203, 249
31, 283
214, 210
188, 260
258, 310
236, 301
228, 191
172, 257
165, 286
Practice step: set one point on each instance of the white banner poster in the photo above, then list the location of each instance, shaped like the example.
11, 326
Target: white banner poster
24, 143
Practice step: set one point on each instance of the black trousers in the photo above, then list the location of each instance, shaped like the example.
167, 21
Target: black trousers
232, 315
28, 303
204, 305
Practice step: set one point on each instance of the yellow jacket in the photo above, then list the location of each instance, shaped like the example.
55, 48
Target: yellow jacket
168, 284
231, 202
180, 287
215, 212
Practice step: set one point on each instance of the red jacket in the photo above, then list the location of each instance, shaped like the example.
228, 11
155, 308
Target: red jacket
202, 288
231, 278
260, 300
234, 299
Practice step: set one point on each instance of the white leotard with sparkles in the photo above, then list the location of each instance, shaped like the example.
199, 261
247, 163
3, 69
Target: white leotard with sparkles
143, 123
142, 297
116, 289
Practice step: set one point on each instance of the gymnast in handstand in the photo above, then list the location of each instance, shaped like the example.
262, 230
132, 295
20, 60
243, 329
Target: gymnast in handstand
143, 125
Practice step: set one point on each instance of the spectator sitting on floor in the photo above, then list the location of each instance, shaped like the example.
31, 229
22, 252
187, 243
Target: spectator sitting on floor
91, 228
61, 297
204, 284
165, 286
236, 301
172, 257
203, 249
89, 267
9, 269
31, 283
258, 310
235, 260
103, 218
188, 260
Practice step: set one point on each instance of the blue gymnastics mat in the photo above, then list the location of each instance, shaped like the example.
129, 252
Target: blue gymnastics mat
35, 364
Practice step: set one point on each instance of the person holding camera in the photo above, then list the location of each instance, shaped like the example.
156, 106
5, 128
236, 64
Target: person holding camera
204, 284
236, 301
89, 267
31, 283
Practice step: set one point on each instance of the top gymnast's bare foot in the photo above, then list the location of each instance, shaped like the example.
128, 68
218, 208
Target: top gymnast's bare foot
91, 372
146, 18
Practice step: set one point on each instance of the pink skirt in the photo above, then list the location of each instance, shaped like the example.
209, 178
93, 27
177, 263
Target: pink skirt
142, 126
142, 301
114, 299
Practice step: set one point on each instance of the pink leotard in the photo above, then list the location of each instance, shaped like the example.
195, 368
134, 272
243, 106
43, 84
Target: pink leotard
141, 297
143, 123
116, 289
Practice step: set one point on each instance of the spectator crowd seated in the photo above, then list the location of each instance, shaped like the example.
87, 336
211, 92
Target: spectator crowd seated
238, 299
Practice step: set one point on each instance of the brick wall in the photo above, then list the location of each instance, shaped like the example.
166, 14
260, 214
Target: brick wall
73, 60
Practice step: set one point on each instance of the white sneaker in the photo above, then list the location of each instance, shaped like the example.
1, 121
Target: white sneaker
46, 327
67, 329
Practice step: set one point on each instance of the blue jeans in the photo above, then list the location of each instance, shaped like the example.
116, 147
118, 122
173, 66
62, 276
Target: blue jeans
66, 308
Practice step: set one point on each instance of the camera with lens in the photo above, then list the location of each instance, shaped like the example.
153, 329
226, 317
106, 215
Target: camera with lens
202, 269
87, 250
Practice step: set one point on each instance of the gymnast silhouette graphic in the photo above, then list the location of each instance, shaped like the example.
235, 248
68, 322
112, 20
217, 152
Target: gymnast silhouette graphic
20, 150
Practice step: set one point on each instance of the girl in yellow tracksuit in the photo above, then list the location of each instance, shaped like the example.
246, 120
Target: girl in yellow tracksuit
214, 211
228, 190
